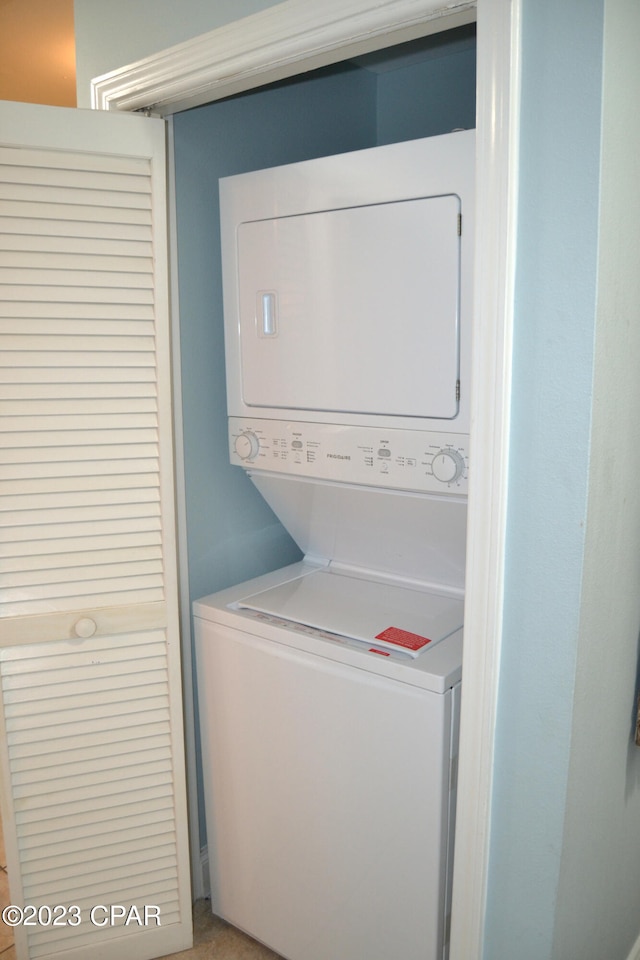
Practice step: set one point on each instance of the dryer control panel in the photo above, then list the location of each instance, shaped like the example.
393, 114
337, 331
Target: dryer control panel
400, 459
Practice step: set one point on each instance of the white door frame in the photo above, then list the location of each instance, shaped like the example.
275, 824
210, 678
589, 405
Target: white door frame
299, 35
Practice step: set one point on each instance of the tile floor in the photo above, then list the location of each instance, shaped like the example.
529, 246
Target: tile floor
213, 939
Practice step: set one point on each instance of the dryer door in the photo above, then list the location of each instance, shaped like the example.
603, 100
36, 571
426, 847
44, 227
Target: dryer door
353, 310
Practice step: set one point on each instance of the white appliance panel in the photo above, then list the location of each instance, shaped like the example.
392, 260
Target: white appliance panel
411, 537
348, 287
396, 459
328, 800
353, 310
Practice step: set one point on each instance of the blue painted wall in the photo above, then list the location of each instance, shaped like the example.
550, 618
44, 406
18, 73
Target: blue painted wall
430, 96
597, 908
553, 358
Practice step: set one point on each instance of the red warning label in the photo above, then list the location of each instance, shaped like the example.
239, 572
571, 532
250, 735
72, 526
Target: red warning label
403, 638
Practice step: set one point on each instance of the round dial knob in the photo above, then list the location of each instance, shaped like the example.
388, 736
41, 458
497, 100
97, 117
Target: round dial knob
447, 466
247, 445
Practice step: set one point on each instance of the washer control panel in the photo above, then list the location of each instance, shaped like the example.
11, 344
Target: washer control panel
401, 459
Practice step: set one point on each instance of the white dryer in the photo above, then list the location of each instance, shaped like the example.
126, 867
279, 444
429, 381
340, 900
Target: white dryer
329, 691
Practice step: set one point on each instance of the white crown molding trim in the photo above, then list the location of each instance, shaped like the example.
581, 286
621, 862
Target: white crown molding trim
275, 43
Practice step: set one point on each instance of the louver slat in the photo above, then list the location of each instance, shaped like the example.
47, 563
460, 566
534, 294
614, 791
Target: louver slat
77, 259
81, 213
85, 246
77, 294
81, 278
29, 308
69, 391
17, 224
78, 383
32, 192
46, 160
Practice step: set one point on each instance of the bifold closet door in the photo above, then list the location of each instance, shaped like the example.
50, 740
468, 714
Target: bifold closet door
93, 789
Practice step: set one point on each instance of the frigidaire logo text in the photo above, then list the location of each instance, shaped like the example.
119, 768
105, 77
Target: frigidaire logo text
338, 456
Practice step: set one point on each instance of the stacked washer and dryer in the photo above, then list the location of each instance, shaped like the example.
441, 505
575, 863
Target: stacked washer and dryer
329, 690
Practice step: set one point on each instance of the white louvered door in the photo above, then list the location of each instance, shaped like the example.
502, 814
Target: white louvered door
91, 753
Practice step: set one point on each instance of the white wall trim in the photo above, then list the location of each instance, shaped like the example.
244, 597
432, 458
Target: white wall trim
278, 42
188, 699
497, 166
635, 951
298, 35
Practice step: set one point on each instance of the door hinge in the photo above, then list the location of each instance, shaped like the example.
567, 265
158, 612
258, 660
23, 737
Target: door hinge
459, 224
458, 390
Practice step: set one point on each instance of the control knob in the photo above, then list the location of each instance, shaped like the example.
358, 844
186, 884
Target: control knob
247, 445
447, 465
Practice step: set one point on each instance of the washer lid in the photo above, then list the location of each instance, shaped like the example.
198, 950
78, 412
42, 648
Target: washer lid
379, 614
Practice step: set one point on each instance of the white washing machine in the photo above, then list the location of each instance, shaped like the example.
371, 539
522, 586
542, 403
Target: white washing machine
329, 691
